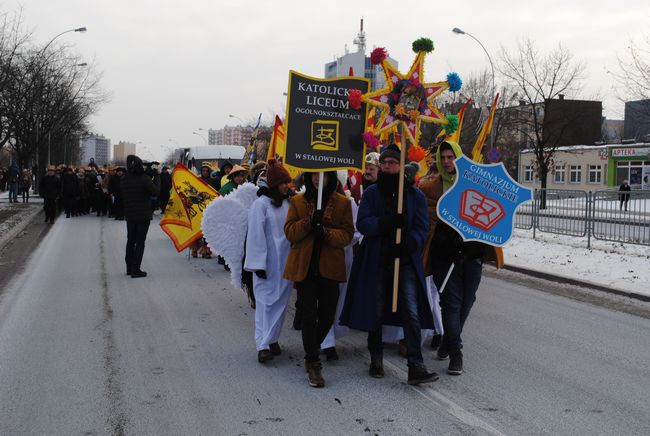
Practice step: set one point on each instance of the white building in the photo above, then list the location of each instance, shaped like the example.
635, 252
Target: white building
360, 64
95, 146
580, 167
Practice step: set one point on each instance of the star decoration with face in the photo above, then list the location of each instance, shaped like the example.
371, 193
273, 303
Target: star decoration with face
407, 99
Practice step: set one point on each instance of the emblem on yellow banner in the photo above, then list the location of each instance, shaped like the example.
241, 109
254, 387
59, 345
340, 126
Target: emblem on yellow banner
188, 199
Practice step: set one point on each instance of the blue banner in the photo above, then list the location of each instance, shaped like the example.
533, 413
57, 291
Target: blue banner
481, 204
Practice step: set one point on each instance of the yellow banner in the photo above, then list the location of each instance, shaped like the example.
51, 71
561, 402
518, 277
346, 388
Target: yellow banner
477, 151
278, 149
188, 199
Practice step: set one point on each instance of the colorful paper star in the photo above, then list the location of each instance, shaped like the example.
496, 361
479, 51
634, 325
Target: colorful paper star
411, 120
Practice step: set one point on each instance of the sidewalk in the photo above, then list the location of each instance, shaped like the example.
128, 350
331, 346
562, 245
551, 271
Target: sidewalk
608, 266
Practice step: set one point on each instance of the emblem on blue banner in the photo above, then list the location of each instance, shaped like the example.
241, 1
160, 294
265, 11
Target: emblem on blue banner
481, 204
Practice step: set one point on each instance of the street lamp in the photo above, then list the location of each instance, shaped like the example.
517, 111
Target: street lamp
202, 137
234, 116
78, 29
458, 31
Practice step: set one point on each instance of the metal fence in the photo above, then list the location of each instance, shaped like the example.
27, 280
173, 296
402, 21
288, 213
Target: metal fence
603, 215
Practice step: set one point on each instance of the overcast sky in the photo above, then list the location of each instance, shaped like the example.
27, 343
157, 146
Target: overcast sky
175, 66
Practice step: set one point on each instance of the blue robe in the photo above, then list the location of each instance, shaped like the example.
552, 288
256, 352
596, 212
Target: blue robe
360, 309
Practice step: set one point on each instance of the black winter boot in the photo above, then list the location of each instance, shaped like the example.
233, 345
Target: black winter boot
436, 341
443, 352
330, 354
376, 366
455, 362
418, 374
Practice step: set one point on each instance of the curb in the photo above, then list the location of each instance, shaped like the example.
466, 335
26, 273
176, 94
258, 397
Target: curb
571, 281
18, 228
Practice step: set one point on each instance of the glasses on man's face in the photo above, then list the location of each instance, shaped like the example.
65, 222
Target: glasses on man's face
390, 162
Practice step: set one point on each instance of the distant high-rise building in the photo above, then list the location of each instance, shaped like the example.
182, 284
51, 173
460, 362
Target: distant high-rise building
121, 150
95, 146
360, 64
230, 135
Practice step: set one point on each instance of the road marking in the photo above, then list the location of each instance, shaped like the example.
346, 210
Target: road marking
433, 396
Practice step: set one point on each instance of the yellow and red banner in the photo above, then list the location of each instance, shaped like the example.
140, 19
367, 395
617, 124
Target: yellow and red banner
277, 148
188, 199
477, 151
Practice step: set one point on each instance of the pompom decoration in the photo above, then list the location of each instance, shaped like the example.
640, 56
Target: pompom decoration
452, 124
454, 81
378, 55
416, 153
354, 98
370, 140
422, 44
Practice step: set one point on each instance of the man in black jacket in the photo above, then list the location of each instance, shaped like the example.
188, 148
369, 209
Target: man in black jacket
165, 187
70, 192
137, 189
50, 189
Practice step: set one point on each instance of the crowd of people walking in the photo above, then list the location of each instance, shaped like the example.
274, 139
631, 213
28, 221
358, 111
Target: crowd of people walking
340, 259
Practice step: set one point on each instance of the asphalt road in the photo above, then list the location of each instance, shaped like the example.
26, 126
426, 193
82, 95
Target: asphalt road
86, 350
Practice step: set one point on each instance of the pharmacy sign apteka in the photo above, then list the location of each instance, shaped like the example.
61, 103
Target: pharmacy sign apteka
481, 204
323, 132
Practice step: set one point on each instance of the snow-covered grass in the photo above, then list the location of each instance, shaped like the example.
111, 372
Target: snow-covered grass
619, 266
14, 216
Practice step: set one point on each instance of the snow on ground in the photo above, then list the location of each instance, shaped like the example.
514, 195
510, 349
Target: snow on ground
15, 215
619, 266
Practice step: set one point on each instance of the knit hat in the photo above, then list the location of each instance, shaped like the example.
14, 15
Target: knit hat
391, 150
276, 174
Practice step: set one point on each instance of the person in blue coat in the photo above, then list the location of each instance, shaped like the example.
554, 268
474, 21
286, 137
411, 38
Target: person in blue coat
369, 294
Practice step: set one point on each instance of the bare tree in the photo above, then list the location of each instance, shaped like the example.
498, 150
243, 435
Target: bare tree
49, 97
538, 78
12, 39
46, 97
633, 74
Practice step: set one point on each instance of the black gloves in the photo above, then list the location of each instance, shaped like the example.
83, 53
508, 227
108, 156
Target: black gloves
319, 232
317, 225
392, 222
261, 274
398, 221
317, 217
404, 249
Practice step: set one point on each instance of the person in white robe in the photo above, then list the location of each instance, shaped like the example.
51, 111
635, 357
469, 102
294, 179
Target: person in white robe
267, 249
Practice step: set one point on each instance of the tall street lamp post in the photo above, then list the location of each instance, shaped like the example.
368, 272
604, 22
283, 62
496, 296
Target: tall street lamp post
80, 30
236, 117
458, 31
201, 136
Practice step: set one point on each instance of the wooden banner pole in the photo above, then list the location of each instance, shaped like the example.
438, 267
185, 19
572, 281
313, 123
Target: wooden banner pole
400, 208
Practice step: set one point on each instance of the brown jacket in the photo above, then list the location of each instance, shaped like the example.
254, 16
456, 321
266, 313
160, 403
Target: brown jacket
339, 230
431, 186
